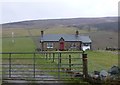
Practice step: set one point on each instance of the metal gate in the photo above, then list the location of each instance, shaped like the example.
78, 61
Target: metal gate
41, 66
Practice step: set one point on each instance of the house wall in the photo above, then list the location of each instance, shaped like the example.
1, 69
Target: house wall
55, 46
67, 46
77, 45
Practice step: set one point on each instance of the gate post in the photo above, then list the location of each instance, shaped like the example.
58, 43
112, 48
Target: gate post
85, 66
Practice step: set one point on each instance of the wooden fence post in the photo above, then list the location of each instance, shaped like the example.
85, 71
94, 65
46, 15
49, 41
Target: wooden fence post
60, 58
59, 64
53, 56
34, 64
70, 62
49, 56
10, 65
46, 56
85, 67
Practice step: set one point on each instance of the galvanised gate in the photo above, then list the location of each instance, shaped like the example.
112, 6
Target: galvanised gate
44, 66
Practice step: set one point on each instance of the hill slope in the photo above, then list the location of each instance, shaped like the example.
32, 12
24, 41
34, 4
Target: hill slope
102, 31
101, 23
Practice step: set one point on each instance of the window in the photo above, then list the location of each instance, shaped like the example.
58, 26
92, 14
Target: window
86, 44
49, 45
73, 45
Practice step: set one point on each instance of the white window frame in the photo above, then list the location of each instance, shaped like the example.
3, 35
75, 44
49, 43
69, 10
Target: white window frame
50, 45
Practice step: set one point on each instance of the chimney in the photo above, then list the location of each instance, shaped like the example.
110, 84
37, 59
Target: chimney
77, 33
42, 45
42, 33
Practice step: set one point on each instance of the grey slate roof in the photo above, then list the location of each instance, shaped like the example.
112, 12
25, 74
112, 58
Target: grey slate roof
66, 37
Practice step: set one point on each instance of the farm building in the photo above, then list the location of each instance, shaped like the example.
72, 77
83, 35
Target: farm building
62, 42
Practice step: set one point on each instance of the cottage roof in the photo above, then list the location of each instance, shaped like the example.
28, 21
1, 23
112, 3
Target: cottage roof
66, 37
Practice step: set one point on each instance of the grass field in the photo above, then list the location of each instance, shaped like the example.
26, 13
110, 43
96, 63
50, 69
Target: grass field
22, 44
101, 60
26, 44
97, 60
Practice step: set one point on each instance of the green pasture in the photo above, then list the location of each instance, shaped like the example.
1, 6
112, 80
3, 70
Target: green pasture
22, 44
101, 60
97, 60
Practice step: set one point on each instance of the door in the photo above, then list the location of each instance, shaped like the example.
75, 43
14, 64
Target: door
61, 46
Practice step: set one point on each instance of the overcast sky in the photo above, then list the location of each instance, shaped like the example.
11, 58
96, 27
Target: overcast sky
20, 10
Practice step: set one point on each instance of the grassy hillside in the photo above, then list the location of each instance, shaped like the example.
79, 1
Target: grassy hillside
74, 22
36, 32
17, 32
100, 39
103, 31
103, 39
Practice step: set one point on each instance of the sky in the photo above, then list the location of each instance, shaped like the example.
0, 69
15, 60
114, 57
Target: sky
21, 10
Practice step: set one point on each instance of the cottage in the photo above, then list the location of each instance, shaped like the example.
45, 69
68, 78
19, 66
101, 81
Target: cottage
62, 42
